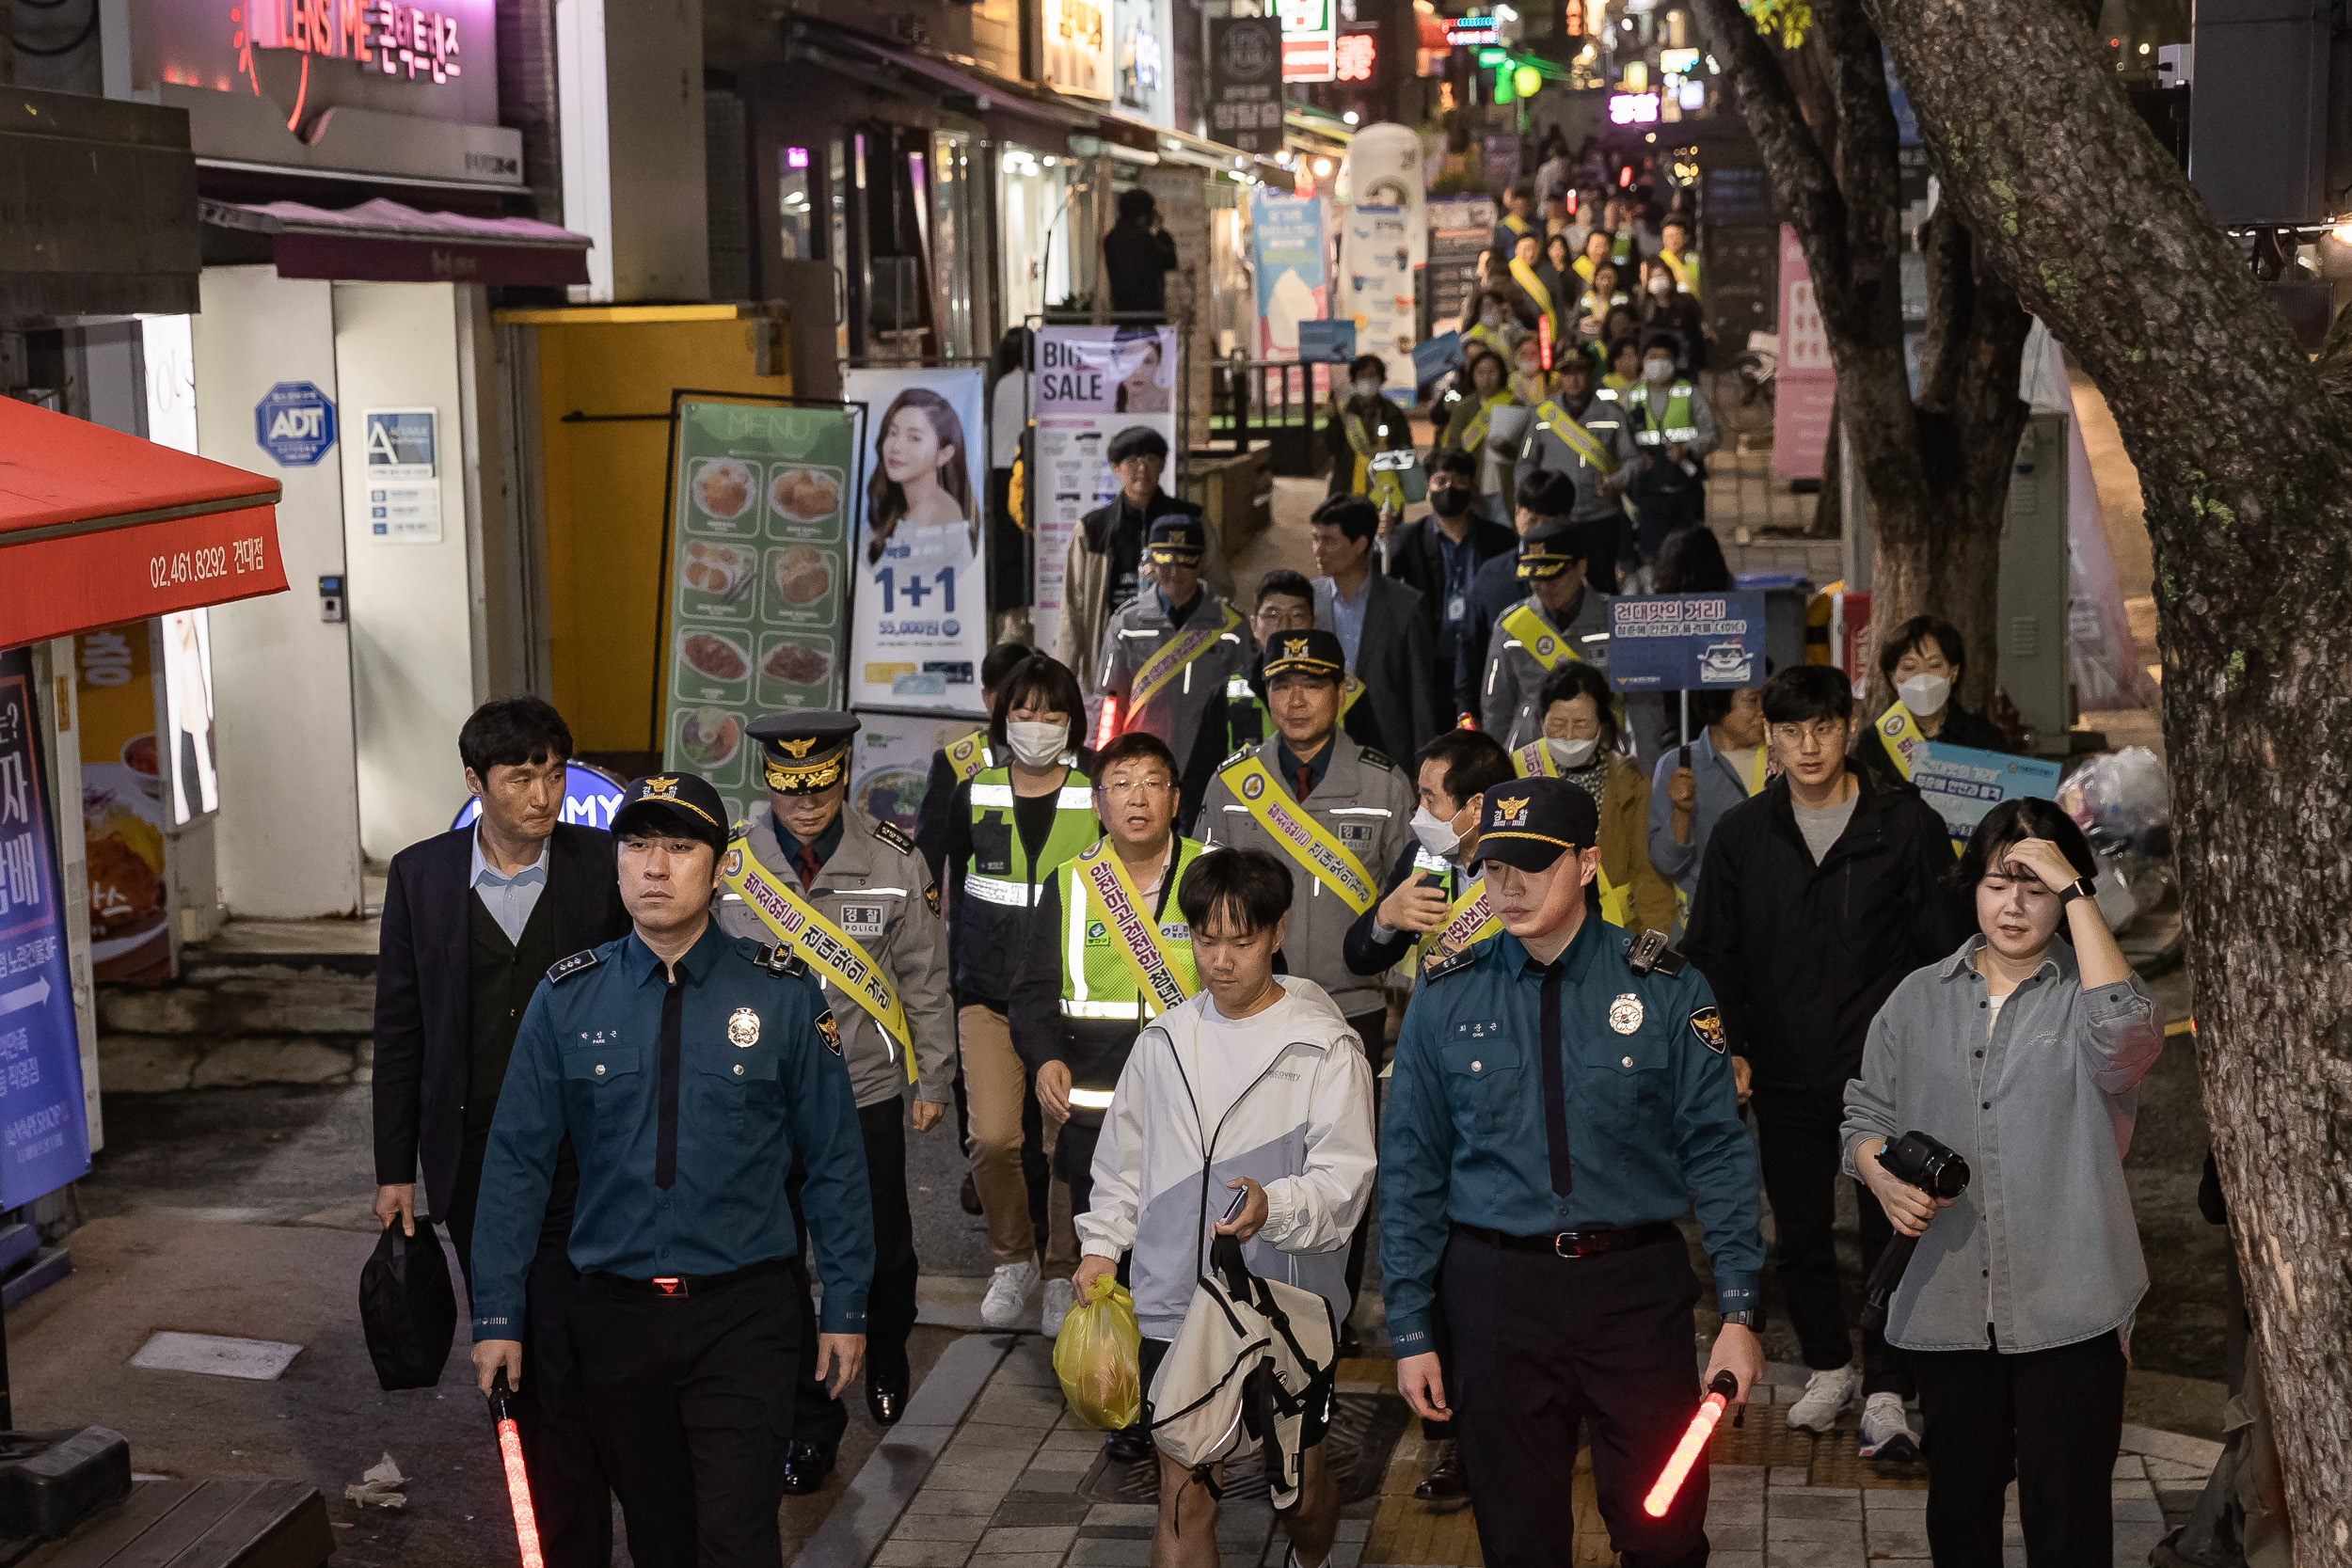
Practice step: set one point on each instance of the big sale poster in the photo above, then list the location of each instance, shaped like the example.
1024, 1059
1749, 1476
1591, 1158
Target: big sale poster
757, 577
920, 617
1092, 382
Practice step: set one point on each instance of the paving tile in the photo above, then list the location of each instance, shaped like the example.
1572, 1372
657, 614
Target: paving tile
1052, 1479
1888, 1499
1032, 1538
1058, 1441
895, 1553
1123, 1513
1789, 1475
1725, 1537
981, 1435
1354, 1529
967, 1477
1779, 1529
1796, 1503
1888, 1539
1735, 1559
1090, 1552
2138, 1510
1734, 1515
1813, 1554
977, 1502
1026, 1511
1345, 1554
2130, 1466
940, 1527
1016, 1559
2162, 1470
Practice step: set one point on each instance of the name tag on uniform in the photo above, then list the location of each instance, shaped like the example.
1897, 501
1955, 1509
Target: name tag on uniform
1354, 833
862, 920
1455, 607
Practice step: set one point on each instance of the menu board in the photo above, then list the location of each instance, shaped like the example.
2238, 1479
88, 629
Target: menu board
758, 578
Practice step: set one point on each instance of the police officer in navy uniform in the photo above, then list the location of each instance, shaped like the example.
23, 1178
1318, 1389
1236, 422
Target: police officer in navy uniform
1560, 1095
688, 1068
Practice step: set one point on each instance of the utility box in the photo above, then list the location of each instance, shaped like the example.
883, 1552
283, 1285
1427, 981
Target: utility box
2035, 603
2258, 141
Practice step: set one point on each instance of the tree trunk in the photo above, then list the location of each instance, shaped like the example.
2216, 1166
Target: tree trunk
1936, 472
2244, 460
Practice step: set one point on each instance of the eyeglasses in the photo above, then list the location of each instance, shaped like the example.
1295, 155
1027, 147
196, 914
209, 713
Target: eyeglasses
1135, 786
1813, 733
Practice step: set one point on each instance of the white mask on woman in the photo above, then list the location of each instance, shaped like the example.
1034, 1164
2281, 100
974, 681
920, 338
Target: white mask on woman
1925, 694
1365, 387
1437, 834
1574, 753
1662, 284
1037, 745
1659, 371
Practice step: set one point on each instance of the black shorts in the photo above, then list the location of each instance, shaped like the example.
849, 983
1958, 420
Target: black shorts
1319, 1393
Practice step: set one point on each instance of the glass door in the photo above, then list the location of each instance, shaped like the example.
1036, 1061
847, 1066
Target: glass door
955, 243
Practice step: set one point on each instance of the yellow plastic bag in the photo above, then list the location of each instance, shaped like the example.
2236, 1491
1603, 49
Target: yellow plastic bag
1097, 1356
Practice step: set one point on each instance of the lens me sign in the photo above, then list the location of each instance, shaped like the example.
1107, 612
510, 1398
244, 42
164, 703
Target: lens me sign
395, 39
435, 61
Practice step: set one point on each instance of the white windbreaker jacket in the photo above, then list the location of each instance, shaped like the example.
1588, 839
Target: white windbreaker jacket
1302, 1125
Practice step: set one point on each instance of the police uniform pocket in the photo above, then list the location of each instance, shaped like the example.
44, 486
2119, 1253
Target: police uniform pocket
1636, 1070
745, 1085
607, 1074
1487, 1081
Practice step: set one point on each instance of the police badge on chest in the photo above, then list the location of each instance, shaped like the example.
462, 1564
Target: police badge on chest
862, 920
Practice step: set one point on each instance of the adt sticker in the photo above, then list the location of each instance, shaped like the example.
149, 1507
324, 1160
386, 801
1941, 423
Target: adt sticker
295, 422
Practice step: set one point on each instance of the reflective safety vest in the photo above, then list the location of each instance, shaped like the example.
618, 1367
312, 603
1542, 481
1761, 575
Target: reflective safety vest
1678, 427
1096, 982
1001, 881
1686, 270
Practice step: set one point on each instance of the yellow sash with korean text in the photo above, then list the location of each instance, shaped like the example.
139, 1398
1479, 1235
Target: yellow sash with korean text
1581, 441
1537, 292
1175, 654
968, 758
1134, 932
831, 952
1900, 732
1470, 918
1302, 838
1543, 645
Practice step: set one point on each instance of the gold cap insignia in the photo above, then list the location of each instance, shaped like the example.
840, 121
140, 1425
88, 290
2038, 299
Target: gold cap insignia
1294, 647
798, 748
660, 790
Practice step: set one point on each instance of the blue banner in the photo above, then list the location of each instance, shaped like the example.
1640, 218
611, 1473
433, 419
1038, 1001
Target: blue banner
44, 1136
1326, 343
1686, 642
1963, 784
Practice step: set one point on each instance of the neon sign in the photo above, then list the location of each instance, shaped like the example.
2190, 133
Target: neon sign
1357, 57
1471, 31
1633, 109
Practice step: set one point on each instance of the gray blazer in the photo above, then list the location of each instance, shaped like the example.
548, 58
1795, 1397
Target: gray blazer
1396, 661
2042, 1245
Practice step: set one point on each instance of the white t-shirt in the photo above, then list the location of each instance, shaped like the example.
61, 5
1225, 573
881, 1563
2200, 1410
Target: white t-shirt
1211, 1061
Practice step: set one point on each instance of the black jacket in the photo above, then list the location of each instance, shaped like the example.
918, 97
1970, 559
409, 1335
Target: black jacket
1961, 728
425, 985
1137, 260
1388, 429
1417, 559
1801, 956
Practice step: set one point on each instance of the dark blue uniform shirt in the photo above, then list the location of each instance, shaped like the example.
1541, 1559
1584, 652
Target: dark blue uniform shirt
588, 1063
1652, 1116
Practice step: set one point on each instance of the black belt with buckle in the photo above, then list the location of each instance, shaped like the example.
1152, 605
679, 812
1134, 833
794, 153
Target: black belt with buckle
1578, 1244
679, 1287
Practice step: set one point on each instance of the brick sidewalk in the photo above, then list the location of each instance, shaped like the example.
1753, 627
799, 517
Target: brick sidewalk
996, 1483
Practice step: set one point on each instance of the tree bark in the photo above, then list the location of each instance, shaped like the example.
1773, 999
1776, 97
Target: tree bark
2244, 460
1936, 472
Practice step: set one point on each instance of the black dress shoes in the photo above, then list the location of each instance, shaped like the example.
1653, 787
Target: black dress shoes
806, 1467
885, 1397
1444, 1484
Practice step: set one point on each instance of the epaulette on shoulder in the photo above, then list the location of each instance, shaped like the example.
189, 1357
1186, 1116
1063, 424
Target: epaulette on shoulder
782, 961
564, 968
1239, 757
1649, 954
1380, 759
890, 833
1453, 963
739, 828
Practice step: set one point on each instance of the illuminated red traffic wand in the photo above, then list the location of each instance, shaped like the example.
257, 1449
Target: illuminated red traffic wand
517, 1480
1670, 1479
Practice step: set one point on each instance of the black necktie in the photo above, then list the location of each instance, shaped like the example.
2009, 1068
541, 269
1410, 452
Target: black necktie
1555, 1085
665, 1139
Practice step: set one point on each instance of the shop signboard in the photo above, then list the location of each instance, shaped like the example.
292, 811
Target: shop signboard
761, 498
124, 811
919, 612
1246, 83
435, 61
1308, 40
1078, 47
295, 423
1459, 229
1293, 280
404, 475
1805, 394
1092, 382
44, 1132
1377, 289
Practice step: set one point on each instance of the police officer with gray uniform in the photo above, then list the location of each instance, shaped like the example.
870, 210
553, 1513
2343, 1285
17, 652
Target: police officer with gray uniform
1562, 1096
1185, 705
1584, 435
1561, 618
1355, 795
866, 880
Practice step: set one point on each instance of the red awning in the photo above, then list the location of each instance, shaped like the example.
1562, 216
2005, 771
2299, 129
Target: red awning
98, 528
384, 242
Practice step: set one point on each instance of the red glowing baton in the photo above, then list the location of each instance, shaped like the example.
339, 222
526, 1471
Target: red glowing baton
518, 1480
1670, 1479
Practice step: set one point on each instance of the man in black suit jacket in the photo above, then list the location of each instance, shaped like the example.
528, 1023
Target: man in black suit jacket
1418, 558
472, 920
1379, 623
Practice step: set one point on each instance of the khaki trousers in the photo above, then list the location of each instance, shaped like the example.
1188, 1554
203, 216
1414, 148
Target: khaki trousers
996, 1085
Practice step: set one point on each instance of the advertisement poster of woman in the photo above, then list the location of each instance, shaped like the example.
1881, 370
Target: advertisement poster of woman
920, 615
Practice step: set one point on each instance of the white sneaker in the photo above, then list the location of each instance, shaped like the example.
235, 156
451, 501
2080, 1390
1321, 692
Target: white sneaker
1887, 1433
1009, 1290
1061, 1295
1825, 1398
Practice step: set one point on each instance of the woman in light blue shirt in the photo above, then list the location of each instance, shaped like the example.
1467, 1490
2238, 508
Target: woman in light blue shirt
2022, 1053
1727, 763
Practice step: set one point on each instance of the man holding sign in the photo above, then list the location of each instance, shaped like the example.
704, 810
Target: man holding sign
1169, 652
851, 898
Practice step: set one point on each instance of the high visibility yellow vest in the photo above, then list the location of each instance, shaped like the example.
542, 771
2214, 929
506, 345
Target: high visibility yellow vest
1014, 885
1096, 982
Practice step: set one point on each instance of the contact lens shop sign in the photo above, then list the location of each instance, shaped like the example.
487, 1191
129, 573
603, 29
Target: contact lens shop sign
758, 565
44, 1139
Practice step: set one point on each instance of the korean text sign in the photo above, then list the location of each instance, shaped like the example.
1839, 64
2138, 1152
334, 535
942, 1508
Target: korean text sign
45, 1134
1686, 642
1092, 382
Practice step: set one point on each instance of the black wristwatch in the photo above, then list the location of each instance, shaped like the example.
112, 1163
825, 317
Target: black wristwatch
2081, 887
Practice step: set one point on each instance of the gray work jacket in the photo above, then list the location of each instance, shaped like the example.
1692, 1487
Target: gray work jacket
878, 890
1514, 676
2042, 1249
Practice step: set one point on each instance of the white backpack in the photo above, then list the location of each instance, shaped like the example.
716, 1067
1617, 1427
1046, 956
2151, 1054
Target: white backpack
1249, 1354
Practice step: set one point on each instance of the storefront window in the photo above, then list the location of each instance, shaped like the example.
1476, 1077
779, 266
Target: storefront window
838, 197
1037, 262
792, 191
955, 226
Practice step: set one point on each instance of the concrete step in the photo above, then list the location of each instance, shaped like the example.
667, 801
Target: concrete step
264, 1001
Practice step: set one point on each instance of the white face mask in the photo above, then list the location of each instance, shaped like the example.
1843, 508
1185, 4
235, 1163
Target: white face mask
1574, 753
1036, 745
1662, 284
1366, 388
1924, 694
1490, 319
1437, 834
1659, 371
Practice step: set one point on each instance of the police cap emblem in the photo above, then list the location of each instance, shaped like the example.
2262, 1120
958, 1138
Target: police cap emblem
743, 1028
1625, 1013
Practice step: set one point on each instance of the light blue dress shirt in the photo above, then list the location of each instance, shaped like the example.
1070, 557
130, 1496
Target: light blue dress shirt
509, 899
1344, 617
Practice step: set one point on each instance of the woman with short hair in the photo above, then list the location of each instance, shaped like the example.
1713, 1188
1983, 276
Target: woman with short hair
2022, 1053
